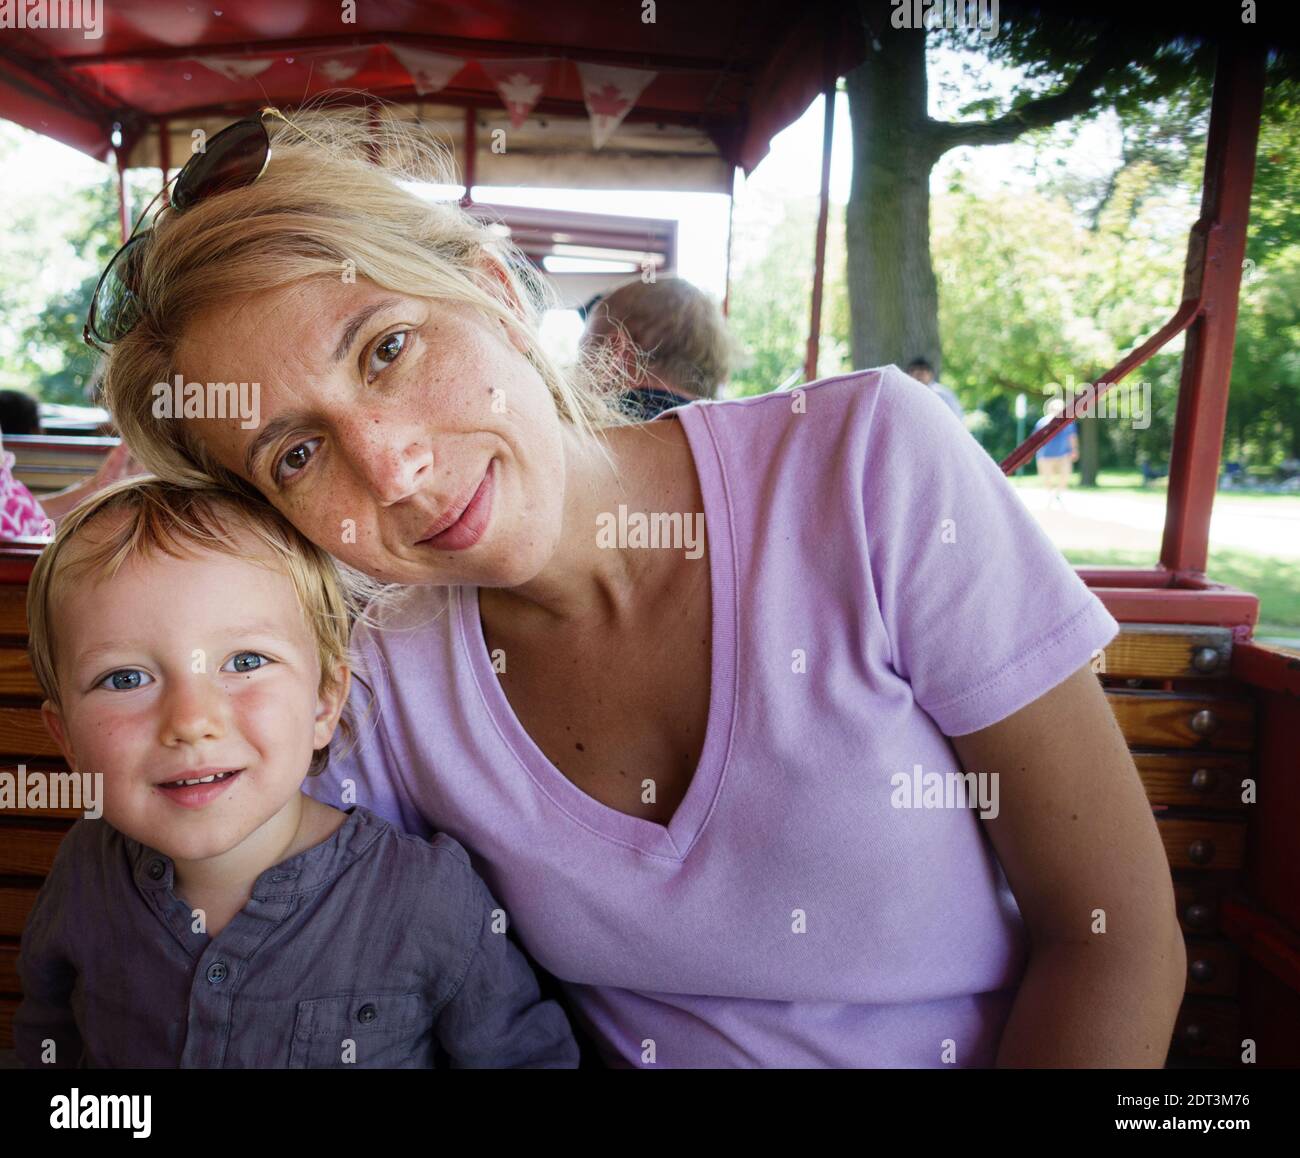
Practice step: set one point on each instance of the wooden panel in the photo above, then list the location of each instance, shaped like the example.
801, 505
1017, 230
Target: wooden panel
1168, 651
23, 734
1166, 720
13, 610
16, 902
1209, 844
9, 969
16, 675
1212, 967
8, 1007
1193, 779
1208, 1028
28, 851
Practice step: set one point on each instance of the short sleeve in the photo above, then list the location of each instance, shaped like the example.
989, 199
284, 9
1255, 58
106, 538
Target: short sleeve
361, 767
982, 611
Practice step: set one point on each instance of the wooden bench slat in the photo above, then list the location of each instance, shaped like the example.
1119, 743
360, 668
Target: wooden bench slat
28, 851
16, 903
1171, 720
23, 735
1193, 779
1168, 651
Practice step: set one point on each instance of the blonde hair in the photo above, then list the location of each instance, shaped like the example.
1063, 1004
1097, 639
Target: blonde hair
679, 332
176, 520
331, 199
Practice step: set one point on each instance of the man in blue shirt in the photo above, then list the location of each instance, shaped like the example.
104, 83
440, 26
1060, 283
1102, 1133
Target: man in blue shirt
1056, 457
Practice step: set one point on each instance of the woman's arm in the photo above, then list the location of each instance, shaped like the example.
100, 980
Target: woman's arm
1076, 838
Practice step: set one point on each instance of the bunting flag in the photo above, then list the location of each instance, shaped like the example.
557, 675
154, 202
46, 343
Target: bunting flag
520, 83
235, 67
430, 71
610, 93
337, 66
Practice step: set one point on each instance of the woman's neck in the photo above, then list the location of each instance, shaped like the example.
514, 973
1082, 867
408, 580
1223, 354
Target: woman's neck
584, 582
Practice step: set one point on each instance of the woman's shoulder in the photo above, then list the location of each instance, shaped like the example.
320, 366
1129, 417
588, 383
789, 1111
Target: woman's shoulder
825, 427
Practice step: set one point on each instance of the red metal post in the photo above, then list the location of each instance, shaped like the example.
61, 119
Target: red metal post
1207, 356
123, 214
731, 217
164, 149
819, 258
471, 152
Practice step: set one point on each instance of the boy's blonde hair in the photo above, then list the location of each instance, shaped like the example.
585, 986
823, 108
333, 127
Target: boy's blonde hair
176, 520
334, 201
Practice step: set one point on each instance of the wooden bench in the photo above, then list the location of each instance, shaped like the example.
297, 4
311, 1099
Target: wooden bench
1191, 731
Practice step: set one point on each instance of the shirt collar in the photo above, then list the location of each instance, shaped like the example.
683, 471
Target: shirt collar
309, 869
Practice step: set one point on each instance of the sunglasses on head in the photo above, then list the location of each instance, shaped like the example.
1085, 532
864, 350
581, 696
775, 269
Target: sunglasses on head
235, 157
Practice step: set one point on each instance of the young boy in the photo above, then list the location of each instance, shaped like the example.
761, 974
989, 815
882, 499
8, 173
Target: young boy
193, 649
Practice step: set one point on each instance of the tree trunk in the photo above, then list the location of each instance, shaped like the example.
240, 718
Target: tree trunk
893, 297
1089, 447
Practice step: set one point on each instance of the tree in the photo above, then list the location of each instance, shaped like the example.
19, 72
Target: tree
1076, 60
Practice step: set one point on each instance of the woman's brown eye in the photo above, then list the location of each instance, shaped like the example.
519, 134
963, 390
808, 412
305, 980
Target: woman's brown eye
296, 459
386, 352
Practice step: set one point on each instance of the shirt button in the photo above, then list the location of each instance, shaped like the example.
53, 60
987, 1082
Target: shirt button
217, 972
157, 870
367, 1014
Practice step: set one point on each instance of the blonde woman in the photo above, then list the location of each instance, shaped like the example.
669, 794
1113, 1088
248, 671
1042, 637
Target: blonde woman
685, 689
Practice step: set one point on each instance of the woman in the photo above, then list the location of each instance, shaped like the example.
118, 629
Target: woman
696, 776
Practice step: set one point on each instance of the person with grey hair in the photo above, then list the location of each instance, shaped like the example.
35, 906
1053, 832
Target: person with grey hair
670, 336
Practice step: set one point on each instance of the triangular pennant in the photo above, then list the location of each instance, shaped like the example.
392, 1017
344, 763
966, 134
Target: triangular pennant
430, 71
610, 93
235, 67
338, 66
520, 83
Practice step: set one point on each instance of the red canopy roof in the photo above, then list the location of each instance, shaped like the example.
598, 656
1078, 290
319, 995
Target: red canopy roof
726, 75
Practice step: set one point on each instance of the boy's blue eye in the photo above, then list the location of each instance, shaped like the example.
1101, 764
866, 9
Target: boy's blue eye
125, 680
240, 666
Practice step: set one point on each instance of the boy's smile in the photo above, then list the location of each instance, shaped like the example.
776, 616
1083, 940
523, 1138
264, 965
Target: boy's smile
192, 685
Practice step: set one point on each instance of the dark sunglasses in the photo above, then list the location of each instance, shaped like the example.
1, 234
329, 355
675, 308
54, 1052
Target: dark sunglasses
235, 157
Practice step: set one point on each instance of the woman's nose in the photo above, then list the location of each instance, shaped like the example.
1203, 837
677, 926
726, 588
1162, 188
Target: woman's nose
393, 463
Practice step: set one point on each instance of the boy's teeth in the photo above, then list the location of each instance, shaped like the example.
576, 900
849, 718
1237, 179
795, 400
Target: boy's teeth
205, 780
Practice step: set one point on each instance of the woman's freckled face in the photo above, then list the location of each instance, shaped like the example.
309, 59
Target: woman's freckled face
364, 452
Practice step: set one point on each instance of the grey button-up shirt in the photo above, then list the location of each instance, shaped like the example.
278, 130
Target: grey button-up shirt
375, 948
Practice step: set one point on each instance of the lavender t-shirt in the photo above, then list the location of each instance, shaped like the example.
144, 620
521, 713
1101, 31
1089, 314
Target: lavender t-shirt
877, 586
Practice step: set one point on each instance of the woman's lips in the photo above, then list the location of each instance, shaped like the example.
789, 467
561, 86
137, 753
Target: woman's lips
473, 520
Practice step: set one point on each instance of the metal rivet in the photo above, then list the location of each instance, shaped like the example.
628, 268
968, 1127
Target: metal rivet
1201, 851
1197, 915
1201, 970
1203, 779
1205, 659
1193, 1033
1204, 722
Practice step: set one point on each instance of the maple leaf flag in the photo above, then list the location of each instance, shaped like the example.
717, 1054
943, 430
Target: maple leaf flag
430, 71
610, 93
234, 67
520, 83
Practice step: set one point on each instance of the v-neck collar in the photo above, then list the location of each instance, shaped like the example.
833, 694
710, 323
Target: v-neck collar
675, 839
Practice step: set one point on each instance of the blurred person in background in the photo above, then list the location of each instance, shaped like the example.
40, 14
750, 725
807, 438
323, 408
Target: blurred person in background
670, 337
923, 372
